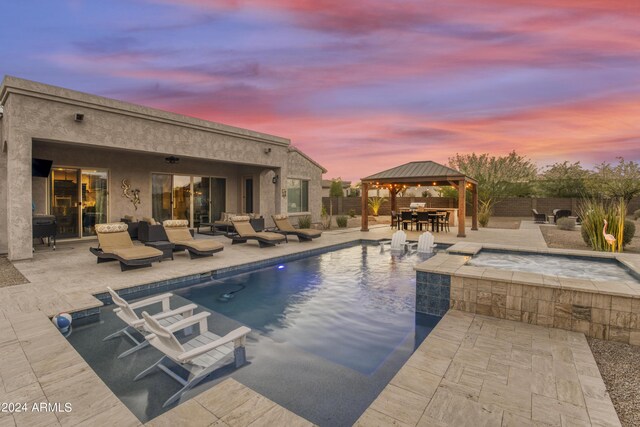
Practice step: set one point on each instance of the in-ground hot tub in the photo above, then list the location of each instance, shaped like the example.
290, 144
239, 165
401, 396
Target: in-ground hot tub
594, 293
580, 267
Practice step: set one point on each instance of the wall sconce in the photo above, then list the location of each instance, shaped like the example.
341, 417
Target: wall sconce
267, 150
275, 179
284, 192
78, 117
172, 160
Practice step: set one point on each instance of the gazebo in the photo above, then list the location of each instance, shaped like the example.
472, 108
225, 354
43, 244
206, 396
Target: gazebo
422, 173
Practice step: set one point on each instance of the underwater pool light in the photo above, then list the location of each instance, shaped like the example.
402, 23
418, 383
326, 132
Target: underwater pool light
281, 267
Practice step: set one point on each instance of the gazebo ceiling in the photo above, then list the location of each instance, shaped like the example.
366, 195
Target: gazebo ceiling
414, 173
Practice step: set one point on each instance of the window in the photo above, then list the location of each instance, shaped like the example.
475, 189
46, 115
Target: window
297, 195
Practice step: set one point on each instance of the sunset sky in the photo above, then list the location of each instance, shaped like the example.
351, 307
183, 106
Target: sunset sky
360, 86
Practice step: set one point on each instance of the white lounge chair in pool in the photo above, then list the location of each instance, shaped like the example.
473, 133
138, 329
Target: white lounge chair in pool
200, 355
398, 242
126, 313
426, 243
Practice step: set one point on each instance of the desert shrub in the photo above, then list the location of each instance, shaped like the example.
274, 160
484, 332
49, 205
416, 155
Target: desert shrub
304, 221
629, 232
352, 213
484, 214
636, 214
566, 224
342, 221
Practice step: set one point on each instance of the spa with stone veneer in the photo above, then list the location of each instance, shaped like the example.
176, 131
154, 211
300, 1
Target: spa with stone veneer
604, 309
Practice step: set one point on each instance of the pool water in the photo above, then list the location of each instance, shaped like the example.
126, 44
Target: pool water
564, 266
328, 333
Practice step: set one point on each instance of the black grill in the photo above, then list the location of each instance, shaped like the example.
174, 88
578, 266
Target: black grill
45, 226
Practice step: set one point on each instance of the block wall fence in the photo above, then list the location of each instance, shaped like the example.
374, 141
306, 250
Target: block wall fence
512, 207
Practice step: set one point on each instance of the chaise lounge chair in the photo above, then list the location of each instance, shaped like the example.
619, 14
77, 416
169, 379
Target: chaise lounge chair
178, 233
199, 356
116, 245
244, 232
126, 313
285, 227
539, 218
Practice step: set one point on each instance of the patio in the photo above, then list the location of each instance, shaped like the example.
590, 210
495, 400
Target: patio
471, 367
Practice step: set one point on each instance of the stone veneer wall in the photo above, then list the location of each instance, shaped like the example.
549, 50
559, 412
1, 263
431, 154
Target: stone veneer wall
597, 315
432, 293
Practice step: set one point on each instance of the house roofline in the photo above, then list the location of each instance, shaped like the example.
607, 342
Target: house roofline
16, 85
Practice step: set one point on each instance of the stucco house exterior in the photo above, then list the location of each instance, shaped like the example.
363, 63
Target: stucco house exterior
100, 148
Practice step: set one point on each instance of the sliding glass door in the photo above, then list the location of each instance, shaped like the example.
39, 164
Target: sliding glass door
194, 198
78, 200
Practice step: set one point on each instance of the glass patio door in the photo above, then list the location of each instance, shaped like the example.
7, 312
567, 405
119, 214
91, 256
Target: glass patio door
194, 198
161, 189
182, 197
64, 202
94, 200
78, 200
201, 200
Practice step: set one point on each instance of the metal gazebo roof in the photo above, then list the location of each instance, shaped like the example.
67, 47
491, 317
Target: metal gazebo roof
418, 172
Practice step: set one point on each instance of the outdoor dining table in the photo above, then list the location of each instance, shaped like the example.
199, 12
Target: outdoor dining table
433, 216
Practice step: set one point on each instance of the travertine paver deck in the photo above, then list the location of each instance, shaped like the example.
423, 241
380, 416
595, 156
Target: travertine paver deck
457, 377
482, 371
229, 404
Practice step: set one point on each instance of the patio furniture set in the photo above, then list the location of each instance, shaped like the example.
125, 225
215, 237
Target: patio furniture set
162, 240
541, 218
422, 219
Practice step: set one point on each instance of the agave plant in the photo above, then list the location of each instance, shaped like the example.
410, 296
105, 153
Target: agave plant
375, 203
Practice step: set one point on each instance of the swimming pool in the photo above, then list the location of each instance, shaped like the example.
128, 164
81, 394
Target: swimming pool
329, 332
589, 268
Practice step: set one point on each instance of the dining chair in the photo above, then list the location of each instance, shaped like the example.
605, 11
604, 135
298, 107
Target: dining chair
406, 217
422, 219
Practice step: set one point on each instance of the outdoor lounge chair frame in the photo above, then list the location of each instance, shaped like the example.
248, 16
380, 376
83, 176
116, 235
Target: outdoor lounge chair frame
137, 325
125, 264
195, 253
197, 372
237, 238
302, 237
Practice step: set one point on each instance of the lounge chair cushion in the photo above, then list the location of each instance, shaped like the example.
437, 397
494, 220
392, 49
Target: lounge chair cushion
176, 234
244, 229
200, 245
111, 227
170, 223
112, 241
137, 252
149, 220
283, 223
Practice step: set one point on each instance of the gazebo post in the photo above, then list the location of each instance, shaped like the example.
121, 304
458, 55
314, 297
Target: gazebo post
474, 214
365, 207
462, 190
392, 193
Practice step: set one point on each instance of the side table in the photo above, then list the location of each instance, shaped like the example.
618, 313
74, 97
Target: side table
164, 246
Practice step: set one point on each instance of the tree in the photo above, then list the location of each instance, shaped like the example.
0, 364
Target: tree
498, 177
336, 188
621, 181
563, 180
